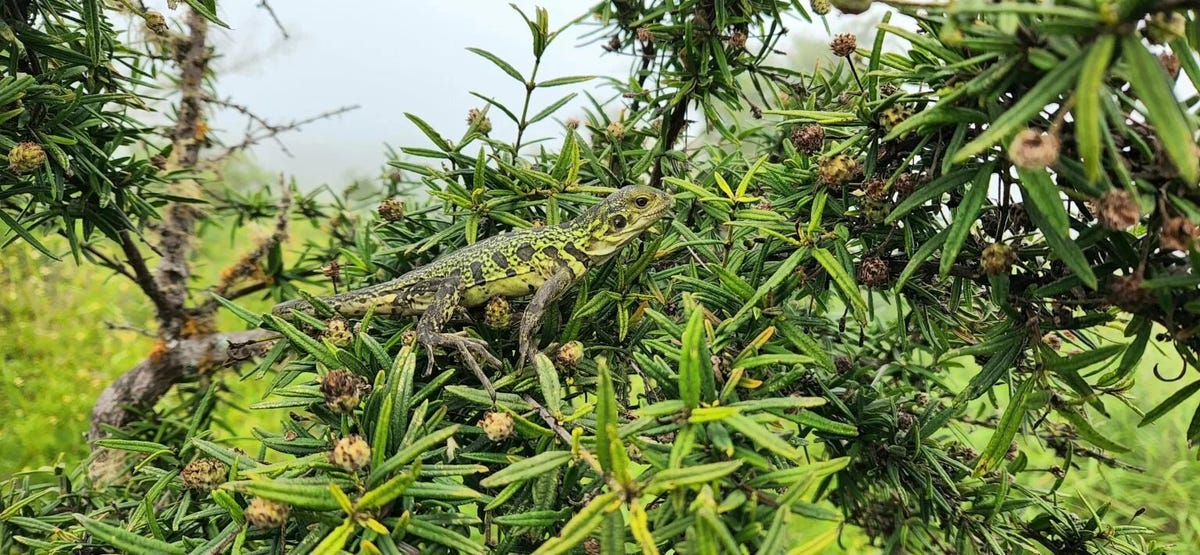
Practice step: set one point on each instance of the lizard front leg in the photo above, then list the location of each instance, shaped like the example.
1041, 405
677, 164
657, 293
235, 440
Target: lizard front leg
549, 292
429, 333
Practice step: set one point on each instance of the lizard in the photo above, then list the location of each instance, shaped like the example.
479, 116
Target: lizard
544, 262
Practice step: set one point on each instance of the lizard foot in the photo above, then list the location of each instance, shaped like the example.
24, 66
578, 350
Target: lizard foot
470, 350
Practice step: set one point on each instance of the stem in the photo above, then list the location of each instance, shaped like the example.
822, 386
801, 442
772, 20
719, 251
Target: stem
529, 86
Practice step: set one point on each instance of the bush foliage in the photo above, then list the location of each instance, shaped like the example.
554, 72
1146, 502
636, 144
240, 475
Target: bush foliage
1014, 189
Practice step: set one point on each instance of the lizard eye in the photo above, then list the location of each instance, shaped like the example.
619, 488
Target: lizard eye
618, 222
641, 202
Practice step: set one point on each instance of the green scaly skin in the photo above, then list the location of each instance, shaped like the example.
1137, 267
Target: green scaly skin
543, 262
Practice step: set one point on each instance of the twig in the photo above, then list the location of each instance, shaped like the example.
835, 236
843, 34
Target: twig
142, 274
110, 263
245, 111
129, 327
264, 5
584, 454
271, 130
246, 265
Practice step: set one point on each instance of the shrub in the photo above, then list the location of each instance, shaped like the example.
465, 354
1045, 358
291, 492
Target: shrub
783, 351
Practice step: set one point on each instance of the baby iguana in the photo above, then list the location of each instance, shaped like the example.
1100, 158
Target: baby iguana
543, 262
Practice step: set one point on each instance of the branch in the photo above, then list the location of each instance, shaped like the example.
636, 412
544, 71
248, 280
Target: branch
272, 130
247, 264
141, 275
674, 127
264, 5
143, 385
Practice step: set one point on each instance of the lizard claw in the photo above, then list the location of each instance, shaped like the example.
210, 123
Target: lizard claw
468, 349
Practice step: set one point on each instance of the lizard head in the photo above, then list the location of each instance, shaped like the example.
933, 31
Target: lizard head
624, 215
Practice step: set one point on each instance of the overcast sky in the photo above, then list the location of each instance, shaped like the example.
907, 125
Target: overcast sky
394, 57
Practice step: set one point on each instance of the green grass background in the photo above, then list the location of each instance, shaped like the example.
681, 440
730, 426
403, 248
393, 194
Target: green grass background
57, 355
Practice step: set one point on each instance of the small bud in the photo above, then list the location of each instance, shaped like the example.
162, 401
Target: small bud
876, 188
905, 420
569, 354
1034, 150
819, 7
156, 22
265, 514
351, 453
497, 425
572, 123
875, 211
204, 474
343, 390
808, 139
497, 314
844, 45
921, 399
614, 44
644, 35
1117, 210
894, 116
337, 331
333, 270
906, 183
1163, 27
616, 131
1127, 293
591, 546
873, 272
1013, 449
1058, 472
837, 171
1170, 62
478, 119
159, 162
391, 210
997, 259
1053, 341
852, 7
737, 40
1178, 234
26, 157
963, 454
843, 364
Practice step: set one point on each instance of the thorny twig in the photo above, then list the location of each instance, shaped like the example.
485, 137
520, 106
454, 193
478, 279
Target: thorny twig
264, 5
270, 131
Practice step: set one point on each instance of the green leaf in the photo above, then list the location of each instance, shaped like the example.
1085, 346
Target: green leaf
675, 478
1171, 402
1174, 128
503, 65
410, 452
252, 318
844, 281
1006, 430
303, 342
571, 80
336, 540
24, 234
690, 364
930, 191
1035, 100
1047, 212
965, 216
1088, 433
548, 110
443, 536
430, 132
206, 12
1088, 124
820, 423
759, 434
581, 525
386, 492
526, 469
305, 495
548, 378
125, 540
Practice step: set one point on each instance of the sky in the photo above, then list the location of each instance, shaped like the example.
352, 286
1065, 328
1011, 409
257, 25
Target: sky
391, 57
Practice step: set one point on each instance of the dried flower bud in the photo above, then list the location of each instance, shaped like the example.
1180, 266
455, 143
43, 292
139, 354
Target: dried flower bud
1117, 210
204, 474
837, 171
615, 131
572, 123
963, 454
1052, 340
1170, 62
337, 331
844, 45
497, 314
1127, 293
569, 354
591, 546
1058, 472
614, 43
843, 364
876, 188
997, 259
1178, 234
391, 210
351, 453
644, 35
819, 7
852, 7
333, 270
873, 272
737, 40
1034, 150
906, 183
156, 23
1013, 449
905, 420
26, 157
809, 138
343, 390
265, 514
478, 119
497, 425
159, 162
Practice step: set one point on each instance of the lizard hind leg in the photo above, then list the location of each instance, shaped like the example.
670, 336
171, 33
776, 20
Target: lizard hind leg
550, 291
430, 335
